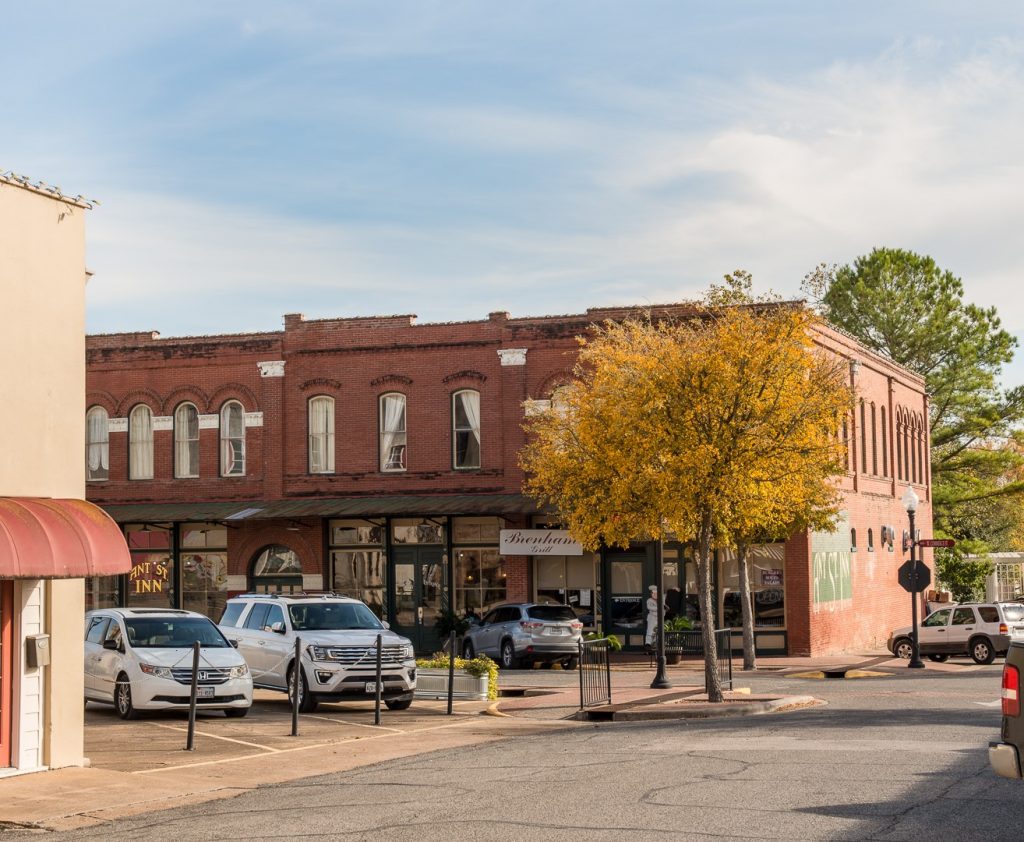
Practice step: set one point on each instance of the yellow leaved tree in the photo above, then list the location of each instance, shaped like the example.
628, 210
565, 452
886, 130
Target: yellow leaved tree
714, 429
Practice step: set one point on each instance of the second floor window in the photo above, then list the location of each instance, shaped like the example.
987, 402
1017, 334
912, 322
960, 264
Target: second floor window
232, 440
140, 443
321, 435
392, 432
97, 444
186, 441
466, 429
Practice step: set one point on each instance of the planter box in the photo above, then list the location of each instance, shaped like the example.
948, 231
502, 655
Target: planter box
433, 684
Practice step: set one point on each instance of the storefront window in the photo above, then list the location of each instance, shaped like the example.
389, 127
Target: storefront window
204, 568
421, 531
480, 579
358, 564
570, 580
627, 598
476, 530
102, 592
766, 566
151, 579
277, 569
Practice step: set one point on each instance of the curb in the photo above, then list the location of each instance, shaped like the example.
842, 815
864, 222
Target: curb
705, 711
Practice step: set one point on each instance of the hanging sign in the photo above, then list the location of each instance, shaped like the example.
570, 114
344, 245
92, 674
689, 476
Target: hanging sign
538, 542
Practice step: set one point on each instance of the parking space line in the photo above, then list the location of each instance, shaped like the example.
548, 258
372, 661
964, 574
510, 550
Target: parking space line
215, 737
348, 722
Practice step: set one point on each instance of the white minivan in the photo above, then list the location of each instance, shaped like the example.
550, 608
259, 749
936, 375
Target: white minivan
141, 659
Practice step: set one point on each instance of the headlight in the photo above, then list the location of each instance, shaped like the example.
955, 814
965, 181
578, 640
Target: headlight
239, 671
407, 652
319, 653
159, 672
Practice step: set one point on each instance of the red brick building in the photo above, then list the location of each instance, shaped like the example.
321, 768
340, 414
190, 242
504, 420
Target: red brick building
378, 457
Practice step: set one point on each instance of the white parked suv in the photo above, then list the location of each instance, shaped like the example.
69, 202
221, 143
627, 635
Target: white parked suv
338, 656
141, 659
981, 630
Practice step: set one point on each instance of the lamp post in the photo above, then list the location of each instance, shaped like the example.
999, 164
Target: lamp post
661, 681
910, 501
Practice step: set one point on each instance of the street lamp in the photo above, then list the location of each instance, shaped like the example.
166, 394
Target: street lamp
910, 501
661, 681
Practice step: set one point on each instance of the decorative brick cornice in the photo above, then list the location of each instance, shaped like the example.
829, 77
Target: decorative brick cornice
398, 379
469, 374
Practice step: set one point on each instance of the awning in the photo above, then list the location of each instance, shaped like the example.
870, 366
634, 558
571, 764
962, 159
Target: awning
43, 538
366, 506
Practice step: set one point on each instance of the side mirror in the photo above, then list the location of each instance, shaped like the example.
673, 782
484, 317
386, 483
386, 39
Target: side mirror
234, 643
112, 644
386, 624
278, 627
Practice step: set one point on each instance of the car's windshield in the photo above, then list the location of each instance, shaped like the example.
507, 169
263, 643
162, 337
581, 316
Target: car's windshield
325, 616
552, 613
173, 633
1013, 613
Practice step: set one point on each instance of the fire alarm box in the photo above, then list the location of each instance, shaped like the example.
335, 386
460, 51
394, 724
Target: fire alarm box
37, 650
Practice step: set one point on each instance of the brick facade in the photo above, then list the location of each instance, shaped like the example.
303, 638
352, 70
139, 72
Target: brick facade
356, 360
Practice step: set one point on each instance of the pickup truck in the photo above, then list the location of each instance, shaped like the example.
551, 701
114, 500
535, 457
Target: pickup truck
1004, 756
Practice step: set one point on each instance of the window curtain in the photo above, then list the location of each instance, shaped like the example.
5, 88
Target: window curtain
186, 441
470, 403
97, 444
232, 440
140, 435
393, 425
321, 435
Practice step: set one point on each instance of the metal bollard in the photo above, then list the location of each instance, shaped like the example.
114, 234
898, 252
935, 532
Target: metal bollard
190, 740
296, 686
377, 689
451, 671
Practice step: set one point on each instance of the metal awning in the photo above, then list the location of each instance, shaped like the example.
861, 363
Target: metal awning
367, 506
45, 538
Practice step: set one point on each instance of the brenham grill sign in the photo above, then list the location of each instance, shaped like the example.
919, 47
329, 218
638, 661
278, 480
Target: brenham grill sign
538, 542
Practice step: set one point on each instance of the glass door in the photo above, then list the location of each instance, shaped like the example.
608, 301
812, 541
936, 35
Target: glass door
627, 600
419, 575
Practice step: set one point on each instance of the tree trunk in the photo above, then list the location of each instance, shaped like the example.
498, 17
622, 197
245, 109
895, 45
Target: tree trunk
712, 680
749, 655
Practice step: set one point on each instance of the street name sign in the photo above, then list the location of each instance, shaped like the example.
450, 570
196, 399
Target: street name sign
936, 542
905, 575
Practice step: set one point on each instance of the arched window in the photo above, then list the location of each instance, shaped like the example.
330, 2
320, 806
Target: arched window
466, 429
885, 447
853, 540
912, 442
863, 441
392, 432
232, 440
321, 435
846, 442
871, 541
140, 443
186, 441
874, 442
97, 444
275, 569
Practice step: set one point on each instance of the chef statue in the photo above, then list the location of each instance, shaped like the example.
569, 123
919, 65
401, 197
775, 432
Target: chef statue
652, 617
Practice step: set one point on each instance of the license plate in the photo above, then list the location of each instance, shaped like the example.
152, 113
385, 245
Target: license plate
558, 630
204, 692
371, 687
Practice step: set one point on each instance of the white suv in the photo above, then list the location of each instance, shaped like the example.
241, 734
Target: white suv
338, 638
981, 630
141, 659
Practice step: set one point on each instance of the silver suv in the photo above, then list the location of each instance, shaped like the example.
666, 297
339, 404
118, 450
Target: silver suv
981, 630
525, 633
338, 656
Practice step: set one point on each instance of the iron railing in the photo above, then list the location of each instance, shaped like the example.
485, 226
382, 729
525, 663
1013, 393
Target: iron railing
691, 644
595, 673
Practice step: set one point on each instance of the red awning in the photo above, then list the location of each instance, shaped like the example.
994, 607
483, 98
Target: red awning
42, 538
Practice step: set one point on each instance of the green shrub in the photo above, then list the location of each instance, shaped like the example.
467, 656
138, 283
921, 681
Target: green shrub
613, 642
477, 667
679, 624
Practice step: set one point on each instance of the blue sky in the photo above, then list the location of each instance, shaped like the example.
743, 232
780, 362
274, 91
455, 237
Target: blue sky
450, 159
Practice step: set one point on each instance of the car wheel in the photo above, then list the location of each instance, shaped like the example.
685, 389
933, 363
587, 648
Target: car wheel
507, 659
571, 663
903, 648
939, 659
235, 713
398, 704
123, 698
982, 651
468, 652
307, 701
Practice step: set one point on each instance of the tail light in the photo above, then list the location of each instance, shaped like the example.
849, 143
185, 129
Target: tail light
1004, 629
531, 625
1011, 691
576, 625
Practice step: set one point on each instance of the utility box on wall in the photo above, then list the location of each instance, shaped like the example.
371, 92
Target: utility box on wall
37, 650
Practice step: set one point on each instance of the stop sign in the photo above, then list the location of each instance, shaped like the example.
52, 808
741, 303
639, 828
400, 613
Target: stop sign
906, 577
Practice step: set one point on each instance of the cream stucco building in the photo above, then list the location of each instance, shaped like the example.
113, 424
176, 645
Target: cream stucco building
49, 537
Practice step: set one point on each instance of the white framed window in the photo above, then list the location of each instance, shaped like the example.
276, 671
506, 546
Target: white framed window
140, 443
186, 441
466, 429
321, 435
97, 444
392, 432
232, 440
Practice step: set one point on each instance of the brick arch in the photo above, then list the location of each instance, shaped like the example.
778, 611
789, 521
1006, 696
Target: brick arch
137, 396
319, 384
187, 393
468, 376
233, 391
103, 399
392, 382
552, 381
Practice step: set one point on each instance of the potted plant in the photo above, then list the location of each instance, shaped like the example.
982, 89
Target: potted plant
673, 647
475, 678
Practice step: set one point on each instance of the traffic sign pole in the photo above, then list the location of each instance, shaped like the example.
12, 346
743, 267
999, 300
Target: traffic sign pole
915, 658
